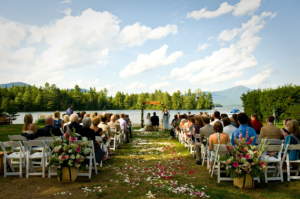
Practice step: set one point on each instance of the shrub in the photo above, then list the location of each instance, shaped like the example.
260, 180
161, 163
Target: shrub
294, 112
41, 119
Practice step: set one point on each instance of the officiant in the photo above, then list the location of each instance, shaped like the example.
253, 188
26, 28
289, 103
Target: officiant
166, 118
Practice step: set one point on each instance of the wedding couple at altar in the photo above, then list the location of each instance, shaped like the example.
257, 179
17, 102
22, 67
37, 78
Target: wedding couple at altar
152, 123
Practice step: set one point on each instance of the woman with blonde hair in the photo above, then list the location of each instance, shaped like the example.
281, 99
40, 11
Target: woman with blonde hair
92, 115
66, 120
106, 129
28, 126
292, 136
57, 121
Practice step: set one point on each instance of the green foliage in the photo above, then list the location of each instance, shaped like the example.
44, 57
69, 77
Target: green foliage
294, 112
218, 105
51, 98
262, 102
11, 111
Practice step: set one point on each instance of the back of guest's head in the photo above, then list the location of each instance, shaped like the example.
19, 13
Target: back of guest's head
204, 115
205, 120
218, 127
96, 121
242, 118
175, 117
189, 117
235, 116
92, 115
254, 115
271, 118
70, 105
95, 113
74, 117
66, 118
231, 119
117, 116
108, 115
103, 118
249, 123
217, 114
28, 119
293, 127
226, 121
49, 121
199, 121
99, 115
82, 114
78, 113
201, 113
87, 122
212, 118
193, 120
154, 113
86, 115
56, 114
286, 120
122, 115
223, 115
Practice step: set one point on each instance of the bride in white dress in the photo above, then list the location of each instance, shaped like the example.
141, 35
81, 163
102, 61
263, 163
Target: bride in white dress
147, 123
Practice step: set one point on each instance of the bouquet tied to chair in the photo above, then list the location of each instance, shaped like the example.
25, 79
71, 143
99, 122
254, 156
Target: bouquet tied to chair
245, 158
69, 152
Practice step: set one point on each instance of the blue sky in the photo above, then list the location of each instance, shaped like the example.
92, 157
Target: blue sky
140, 46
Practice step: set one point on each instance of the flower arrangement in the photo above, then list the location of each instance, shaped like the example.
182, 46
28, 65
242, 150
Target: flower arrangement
68, 152
105, 139
245, 158
204, 141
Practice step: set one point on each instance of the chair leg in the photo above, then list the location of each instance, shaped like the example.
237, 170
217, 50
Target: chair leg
4, 166
90, 168
281, 173
266, 177
219, 172
288, 168
43, 167
20, 166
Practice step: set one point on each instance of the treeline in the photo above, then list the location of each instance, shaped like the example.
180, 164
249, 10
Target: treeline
285, 100
51, 98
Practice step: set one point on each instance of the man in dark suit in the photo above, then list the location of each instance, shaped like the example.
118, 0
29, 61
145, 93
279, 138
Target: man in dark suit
45, 131
74, 124
155, 121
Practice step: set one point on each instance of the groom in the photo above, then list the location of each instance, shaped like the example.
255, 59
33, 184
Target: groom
155, 121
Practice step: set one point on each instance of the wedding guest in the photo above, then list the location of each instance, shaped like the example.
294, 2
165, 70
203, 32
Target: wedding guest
81, 117
92, 115
293, 137
217, 138
205, 132
123, 126
182, 121
201, 114
211, 118
223, 115
270, 131
74, 124
228, 127
243, 128
106, 129
66, 119
216, 118
249, 123
95, 114
28, 126
113, 125
155, 121
235, 121
69, 110
284, 130
57, 121
45, 131
256, 123
186, 126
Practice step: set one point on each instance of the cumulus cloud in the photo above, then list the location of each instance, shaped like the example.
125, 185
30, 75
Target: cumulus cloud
163, 78
76, 41
65, 1
257, 79
159, 85
135, 85
241, 8
67, 11
226, 63
202, 47
146, 62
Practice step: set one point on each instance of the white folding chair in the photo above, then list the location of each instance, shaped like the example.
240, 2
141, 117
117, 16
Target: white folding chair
286, 158
91, 159
35, 156
114, 145
15, 155
50, 170
274, 141
205, 154
258, 141
273, 160
17, 138
37, 148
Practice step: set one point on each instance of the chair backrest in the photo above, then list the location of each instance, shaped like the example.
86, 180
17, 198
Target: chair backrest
11, 144
273, 148
294, 147
47, 138
113, 130
32, 143
99, 138
258, 142
16, 138
222, 149
197, 136
274, 141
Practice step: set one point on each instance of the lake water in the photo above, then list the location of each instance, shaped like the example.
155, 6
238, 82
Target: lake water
134, 115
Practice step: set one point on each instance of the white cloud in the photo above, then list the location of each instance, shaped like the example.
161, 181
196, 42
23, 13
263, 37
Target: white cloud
209, 38
241, 8
65, 1
173, 91
67, 11
157, 77
77, 41
159, 85
135, 85
163, 78
11, 35
203, 13
257, 79
246, 7
202, 47
146, 62
226, 63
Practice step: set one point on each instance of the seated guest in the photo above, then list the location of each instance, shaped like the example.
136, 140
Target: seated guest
45, 131
270, 131
66, 119
74, 124
117, 116
182, 121
113, 125
243, 128
28, 126
92, 115
57, 121
211, 118
235, 121
106, 129
284, 130
249, 123
201, 114
123, 126
96, 114
217, 138
231, 120
256, 123
293, 137
96, 122
216, 118
223, 115
186, 126
228, 127
205, 131
81, 117
89, 133
155, 121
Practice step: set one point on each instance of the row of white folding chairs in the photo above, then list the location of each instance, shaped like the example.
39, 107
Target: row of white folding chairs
25, 152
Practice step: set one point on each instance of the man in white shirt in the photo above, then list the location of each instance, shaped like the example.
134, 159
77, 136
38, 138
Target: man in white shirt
123, 125
217, 118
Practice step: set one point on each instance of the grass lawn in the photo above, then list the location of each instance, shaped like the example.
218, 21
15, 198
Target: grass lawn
126, 175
